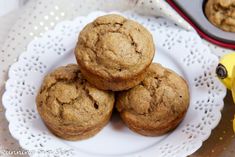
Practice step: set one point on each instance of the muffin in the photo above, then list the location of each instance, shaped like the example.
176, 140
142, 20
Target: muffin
114, 52
221, 13
72, 108
157, 105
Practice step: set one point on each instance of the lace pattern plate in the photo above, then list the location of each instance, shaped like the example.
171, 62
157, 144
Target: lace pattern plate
176, 48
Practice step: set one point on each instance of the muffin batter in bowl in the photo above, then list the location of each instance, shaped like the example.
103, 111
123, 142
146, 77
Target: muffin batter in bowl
221, 13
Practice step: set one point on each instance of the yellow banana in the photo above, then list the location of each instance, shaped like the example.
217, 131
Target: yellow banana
226, 73
234, 124
225, 69
233, 93
233, 83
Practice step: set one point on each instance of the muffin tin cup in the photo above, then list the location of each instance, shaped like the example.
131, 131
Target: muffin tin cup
193, 12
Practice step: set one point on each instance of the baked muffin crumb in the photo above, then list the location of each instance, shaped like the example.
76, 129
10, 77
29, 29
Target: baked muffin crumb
114, 52
157, 104
70, 106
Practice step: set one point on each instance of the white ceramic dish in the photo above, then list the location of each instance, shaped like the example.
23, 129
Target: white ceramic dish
177, 49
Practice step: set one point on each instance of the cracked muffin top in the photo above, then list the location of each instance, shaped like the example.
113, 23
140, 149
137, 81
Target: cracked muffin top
221, 13
162, 97
113, 46
65, 98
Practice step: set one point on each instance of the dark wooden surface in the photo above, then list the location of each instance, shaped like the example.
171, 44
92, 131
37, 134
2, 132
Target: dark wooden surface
221, 142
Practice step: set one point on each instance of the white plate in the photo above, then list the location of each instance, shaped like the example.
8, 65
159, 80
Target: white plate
177, 49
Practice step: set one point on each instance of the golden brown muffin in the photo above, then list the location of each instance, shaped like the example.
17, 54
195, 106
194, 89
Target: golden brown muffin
157, 105
71, 107
221, 13
114, 52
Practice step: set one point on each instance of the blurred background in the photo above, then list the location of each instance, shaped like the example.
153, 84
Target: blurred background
6, 6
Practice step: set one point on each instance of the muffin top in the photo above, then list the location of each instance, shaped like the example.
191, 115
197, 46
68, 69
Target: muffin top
160, 98
65, 98
113, 46
221, 13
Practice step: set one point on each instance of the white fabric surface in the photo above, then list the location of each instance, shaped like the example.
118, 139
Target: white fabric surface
8, 6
